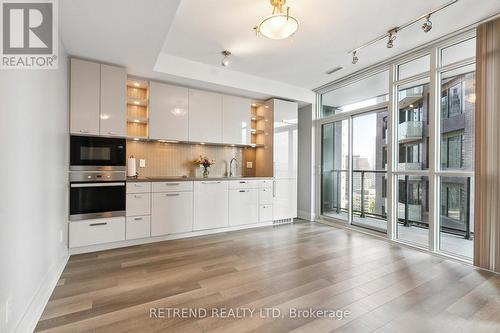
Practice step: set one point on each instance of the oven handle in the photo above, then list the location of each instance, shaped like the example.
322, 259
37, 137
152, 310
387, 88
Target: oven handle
97, 184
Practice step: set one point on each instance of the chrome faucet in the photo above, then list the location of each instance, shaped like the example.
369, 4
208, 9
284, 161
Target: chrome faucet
231, 166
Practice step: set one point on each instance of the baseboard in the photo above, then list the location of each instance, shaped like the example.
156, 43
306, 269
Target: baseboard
35, 309
305, 215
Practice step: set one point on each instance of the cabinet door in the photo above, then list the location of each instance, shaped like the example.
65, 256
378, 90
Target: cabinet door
236, 120
113, 113
210, 205
84, 97
138, 204
168, 118
285, 199
243, 206
205, 116
171, 213
285, 139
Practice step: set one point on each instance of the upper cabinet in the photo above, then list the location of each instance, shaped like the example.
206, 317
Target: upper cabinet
236, 120
84, 102
205, 116
285, 139
97, 99
113, 101
169, 112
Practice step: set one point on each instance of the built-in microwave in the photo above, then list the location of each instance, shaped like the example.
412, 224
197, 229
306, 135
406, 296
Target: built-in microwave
97, 153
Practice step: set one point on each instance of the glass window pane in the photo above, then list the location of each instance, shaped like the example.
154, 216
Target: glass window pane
334, 170
414, 67
369, 178
412, 130
456, 221
457, 118
367, 92
458, 52
413, 209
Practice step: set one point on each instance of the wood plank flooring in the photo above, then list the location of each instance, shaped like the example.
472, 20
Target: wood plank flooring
385, 287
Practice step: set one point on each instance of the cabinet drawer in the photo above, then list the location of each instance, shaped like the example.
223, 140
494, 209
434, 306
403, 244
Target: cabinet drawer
265, 183
138, 227
265, 213
171, 213
159, 187
265, 196
242, 184
138, 204
243, 206
97, 231
139, 187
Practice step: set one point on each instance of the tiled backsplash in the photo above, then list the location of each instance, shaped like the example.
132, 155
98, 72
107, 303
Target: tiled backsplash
176, 159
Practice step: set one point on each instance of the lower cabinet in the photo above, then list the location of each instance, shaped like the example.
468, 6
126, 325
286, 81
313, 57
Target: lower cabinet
210, 205
285, 199
138, 227
265, 213
171, 213
243, 206
97, 231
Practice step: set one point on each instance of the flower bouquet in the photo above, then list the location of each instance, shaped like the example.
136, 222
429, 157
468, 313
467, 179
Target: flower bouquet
205, 163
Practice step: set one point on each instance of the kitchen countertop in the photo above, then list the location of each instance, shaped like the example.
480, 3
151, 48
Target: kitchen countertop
190, 179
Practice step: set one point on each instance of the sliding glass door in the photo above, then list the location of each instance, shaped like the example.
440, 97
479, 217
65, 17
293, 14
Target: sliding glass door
354, 169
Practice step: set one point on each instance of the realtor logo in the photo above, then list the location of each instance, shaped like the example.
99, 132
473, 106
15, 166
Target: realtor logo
29, 34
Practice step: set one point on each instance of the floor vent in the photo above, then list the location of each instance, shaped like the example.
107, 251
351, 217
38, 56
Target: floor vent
283, 221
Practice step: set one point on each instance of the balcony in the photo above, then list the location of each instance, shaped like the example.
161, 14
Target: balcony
414, 212
410, 167
410, 131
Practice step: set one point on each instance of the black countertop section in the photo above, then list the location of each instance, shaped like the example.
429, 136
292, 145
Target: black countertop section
189, 179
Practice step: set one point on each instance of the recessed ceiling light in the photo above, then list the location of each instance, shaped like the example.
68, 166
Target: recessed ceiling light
202, 143
136, 102
253, 104
137, 84
225, 60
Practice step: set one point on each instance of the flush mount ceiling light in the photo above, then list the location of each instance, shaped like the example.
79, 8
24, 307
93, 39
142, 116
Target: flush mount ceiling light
280, 24
225, 60
427, 26
355, 58
392, 33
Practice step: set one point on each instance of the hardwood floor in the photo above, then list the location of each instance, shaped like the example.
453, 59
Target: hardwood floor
385, 287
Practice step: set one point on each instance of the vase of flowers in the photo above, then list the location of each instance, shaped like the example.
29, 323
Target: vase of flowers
205, 164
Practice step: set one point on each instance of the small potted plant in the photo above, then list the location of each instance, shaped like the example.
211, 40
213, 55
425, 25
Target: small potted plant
205, 163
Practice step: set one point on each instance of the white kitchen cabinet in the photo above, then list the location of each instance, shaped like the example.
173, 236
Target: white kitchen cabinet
285, 199
113, 108
285, 139
138, 204
169, 112
265, 213
182, 186
138, 187
96, 231
84, 97
266, 196
243, 206
138, 227
171, 213
210, 205
242, 184
205, 116
236, 120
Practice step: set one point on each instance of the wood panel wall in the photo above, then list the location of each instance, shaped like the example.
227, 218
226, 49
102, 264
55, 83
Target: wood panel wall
487, 148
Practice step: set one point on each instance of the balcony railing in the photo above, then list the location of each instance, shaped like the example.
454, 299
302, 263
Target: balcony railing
414, 212
410, 131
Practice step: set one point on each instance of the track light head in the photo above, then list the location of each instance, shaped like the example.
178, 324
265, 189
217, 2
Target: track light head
355, 58
427, 26
392, 37
225, 60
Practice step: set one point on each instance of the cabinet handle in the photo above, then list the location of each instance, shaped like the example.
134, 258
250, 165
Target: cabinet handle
210, 182
138, 219
244, 191
266, 190
138, 196
274, 188
97, 224
112, 133
172, 195
137, 185
84, 131
172, 184
242, 182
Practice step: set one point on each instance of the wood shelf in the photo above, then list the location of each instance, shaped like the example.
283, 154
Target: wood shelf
137, 101
137, 120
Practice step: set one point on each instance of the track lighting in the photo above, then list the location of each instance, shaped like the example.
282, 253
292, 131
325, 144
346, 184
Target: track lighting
355, 58
225, 60
427, 26
392, 37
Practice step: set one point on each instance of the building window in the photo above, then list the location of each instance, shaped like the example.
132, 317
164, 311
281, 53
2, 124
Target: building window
453, 151
452, 201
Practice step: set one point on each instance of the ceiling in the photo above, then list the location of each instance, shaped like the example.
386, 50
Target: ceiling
181, 40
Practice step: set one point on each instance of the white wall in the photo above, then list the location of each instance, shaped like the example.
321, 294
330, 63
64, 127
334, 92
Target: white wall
33, 194
305, 185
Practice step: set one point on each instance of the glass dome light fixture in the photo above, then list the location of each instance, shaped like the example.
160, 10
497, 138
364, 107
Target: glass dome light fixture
280, 24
